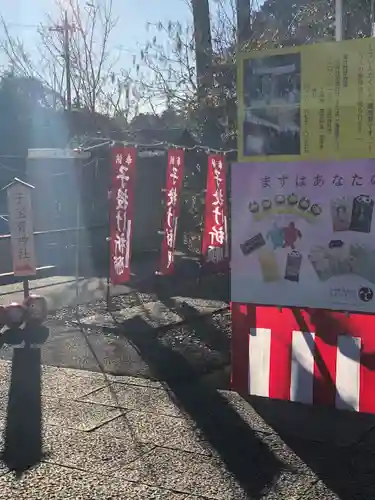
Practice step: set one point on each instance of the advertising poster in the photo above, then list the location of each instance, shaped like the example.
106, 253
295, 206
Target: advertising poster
121, 213
303, 235
309, 102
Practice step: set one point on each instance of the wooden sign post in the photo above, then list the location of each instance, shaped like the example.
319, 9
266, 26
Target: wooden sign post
21, 231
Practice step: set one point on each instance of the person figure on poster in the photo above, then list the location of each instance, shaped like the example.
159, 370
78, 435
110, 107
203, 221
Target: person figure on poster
276, 235
291, 235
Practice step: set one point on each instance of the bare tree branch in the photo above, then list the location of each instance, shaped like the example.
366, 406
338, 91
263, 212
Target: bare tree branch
92, 58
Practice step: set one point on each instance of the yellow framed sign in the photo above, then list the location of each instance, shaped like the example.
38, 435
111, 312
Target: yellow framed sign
308, 102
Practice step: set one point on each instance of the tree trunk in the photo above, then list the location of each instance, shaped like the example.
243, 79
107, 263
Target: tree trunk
203, 43
243, 21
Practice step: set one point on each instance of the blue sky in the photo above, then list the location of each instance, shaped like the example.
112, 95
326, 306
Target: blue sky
23, 15
130, 31
130, 34
135, 13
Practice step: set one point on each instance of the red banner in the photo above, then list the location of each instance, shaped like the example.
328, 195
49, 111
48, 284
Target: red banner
121, 212
215, 236
175, 175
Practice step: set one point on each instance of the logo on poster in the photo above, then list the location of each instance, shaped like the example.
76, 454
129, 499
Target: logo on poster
365, 294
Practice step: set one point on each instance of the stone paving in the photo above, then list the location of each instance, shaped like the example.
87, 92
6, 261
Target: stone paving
145, 420
71, 434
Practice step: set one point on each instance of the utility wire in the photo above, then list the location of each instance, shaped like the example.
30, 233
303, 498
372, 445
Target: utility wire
109, 143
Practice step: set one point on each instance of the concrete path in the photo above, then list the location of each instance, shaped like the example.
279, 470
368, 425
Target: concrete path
69, 434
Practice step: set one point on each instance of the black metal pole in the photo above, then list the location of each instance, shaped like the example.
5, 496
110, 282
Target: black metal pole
108, 263
26, 288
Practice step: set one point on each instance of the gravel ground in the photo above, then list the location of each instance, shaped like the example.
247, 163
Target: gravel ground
54, 482
200, 342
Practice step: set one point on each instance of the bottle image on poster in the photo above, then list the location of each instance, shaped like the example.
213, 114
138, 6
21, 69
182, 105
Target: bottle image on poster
269, 265
304, 237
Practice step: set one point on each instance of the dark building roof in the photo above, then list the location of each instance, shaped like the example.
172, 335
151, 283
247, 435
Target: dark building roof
176, 136
145, 137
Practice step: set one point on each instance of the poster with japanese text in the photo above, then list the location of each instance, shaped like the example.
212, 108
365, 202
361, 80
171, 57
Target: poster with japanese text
21, 229
304, 236
310, 102
175, 176
121, 213
215, 235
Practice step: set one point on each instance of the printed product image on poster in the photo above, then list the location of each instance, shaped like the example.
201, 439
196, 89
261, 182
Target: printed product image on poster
363, 261
339, 259
320, 263
352, 214
252, 244
293, 266
341, 211
276, 236
363, 207
272, 92
269, 265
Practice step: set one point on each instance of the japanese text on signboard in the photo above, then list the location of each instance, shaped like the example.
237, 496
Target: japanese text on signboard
317, 180
173, 190
310, 102
22, 235
214, 247
121, 213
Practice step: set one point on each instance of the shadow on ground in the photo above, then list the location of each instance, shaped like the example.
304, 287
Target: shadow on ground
23, 429
331, 460
93, 290
202, 340
188, 280
236, 443
202, 324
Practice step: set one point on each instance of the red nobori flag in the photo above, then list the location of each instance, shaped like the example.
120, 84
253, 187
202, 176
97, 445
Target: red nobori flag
121, 212
175, 175
215, 236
